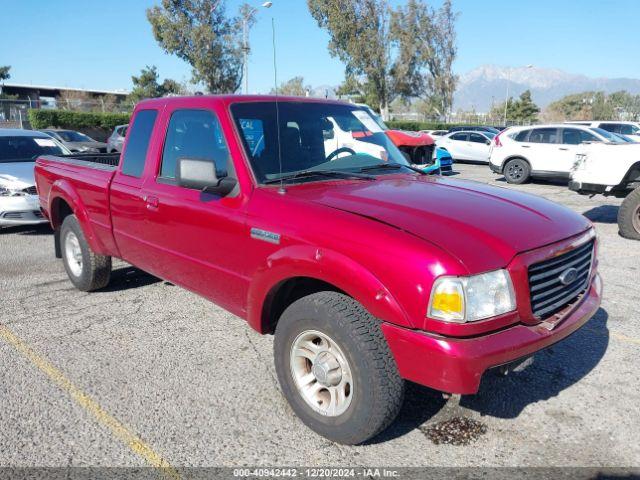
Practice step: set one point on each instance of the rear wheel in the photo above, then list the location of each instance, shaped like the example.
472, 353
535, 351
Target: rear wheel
517, 171
629, 216
86, 270
335, 368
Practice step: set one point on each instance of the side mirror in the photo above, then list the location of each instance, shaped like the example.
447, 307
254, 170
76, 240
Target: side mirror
200, 174
488, 142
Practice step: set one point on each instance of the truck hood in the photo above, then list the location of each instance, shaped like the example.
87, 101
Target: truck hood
483, 226
20, 173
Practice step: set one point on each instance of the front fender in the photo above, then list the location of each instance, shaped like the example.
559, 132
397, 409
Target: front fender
63, 190
325, 265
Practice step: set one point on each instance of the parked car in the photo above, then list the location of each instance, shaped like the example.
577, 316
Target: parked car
116, 139
76, 141
467, 146
18, 197
543, 151
418, 147
435, 133
474, 128
352, 262
611, 171
628, 129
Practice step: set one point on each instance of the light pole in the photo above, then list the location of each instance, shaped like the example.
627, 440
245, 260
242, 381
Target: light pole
245, 43
506, 101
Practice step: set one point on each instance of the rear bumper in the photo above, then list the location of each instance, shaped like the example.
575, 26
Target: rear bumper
587, 188
456, 365
20, 210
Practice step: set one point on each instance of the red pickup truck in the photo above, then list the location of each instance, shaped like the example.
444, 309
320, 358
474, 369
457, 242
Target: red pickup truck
347, 256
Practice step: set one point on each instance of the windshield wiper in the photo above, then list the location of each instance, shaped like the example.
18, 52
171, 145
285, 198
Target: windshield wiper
394, 166
319, 173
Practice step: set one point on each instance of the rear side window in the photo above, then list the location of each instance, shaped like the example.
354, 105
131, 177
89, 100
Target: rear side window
544, 135
136, 152
194, 134
477, 138
522, 136
610, 127
461, 137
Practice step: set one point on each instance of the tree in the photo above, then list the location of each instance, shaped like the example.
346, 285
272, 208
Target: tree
200, 33
361, 38
4, 73
427, 40
294, 87
146, 85
522, 110
595, 106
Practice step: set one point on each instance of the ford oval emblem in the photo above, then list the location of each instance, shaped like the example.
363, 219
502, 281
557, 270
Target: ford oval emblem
569, 276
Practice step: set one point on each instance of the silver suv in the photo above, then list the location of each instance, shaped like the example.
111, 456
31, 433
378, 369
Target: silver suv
116, 140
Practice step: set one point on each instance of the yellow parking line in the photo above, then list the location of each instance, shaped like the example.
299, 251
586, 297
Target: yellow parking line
102, 417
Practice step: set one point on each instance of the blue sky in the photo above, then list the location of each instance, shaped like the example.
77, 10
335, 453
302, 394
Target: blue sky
91, 44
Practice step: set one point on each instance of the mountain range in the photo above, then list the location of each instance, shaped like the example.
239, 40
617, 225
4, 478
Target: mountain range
487, 84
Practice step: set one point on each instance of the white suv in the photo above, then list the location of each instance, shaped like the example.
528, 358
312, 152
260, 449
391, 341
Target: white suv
542, 151
628, 129
595, 173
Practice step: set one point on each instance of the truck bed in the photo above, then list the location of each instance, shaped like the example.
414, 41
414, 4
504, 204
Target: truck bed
84, 178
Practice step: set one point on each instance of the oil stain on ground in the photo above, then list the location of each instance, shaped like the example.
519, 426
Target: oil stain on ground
455, 431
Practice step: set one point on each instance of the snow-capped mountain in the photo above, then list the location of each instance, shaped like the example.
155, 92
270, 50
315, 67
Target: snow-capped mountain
487, 84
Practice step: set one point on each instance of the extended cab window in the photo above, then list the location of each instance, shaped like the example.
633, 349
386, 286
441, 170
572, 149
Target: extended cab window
194, 134
136, 152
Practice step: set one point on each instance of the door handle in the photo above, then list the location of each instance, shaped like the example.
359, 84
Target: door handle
151, 201
525, 146
565, 149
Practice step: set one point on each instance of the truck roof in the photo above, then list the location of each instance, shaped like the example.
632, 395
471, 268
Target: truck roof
228, 99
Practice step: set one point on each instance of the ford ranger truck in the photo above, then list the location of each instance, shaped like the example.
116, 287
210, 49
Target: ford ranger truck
347, 258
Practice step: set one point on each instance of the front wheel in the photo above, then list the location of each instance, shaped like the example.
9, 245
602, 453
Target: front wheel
86, 270
629, 216
517, 171
335, 368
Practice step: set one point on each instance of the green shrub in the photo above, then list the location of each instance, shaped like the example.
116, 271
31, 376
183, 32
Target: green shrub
415, 126
75, 120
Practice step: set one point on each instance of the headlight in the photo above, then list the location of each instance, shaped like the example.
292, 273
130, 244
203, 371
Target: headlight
467, 299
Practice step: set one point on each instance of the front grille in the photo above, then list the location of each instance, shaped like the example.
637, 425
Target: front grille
549, 293
30, 190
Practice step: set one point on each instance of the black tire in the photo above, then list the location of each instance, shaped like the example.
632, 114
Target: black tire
629, 216
517, 171
378, 389
95, 269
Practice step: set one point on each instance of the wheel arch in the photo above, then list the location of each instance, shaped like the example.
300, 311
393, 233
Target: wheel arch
298, 271
64, 201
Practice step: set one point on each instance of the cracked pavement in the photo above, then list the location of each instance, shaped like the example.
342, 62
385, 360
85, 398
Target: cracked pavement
198, 385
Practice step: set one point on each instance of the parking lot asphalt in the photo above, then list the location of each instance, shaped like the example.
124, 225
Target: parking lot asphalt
144, 372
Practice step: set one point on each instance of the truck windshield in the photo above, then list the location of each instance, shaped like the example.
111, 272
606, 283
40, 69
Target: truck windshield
26, 149
312, 137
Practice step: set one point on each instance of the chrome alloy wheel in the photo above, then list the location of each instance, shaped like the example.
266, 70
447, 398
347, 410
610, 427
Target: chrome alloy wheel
321, 373
73, 253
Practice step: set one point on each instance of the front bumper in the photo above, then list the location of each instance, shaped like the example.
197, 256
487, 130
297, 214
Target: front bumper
456, 365
20, 210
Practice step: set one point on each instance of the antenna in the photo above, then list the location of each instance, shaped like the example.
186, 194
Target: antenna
281, 190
